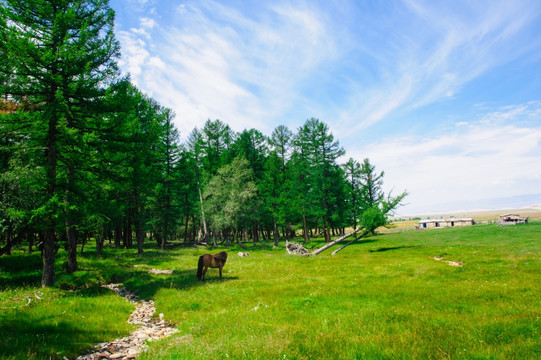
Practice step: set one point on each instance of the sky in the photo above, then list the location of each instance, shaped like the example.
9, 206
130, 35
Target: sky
443, 96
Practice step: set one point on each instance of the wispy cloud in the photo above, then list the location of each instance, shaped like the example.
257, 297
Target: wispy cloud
499, 153
222, 63
251, 66
361, 67
439, 50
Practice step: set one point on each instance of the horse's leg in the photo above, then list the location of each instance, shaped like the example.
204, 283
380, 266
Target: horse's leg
221, 267
204, 272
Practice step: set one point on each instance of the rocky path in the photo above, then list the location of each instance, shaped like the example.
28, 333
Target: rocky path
150, 329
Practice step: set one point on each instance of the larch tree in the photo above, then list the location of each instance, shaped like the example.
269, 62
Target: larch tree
229, 197
215, 141
322, 152
165, 207
352, 170
252, 145
195, 156
145, 129
280, 143
376, 205
270, 189
62, 55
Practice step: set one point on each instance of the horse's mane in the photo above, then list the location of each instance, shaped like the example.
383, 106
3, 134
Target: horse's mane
222, 255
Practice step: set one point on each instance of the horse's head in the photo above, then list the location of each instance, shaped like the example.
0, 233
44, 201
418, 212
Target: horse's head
221, 256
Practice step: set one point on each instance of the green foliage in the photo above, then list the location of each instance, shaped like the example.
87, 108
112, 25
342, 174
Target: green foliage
85, 154
373, 218
229, 195
61, 57
316, 171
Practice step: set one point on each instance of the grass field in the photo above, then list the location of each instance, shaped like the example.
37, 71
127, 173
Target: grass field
385, 297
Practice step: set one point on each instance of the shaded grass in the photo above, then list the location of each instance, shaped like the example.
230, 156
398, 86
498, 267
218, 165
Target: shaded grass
381, 298
57, 324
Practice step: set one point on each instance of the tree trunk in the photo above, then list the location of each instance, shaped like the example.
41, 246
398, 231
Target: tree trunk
206, 234
72, 247
194, 228
99, 245
71, 231
304, 228
12, 242
166, 222
326, 234
118, 233
328, 245
125, 224
31, 243
47, 278
129, 233
187, 219
139, 236
85, 238
349, 243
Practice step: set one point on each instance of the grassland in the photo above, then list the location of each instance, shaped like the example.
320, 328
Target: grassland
385, 297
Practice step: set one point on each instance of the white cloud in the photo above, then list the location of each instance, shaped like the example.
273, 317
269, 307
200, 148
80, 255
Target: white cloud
148, 23
496, 156
222, 63
134, 54
278, 60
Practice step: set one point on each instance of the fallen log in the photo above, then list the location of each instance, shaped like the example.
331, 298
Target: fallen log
349, 243
332, 243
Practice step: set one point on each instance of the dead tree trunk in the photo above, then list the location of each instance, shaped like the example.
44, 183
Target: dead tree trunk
349, 243
206, 234
328, 245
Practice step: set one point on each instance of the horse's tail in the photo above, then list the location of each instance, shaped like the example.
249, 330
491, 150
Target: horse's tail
200, 268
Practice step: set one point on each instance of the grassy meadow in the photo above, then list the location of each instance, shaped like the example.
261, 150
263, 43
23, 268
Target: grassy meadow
385, 297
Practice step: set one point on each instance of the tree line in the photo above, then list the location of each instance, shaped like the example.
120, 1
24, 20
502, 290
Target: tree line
85, 155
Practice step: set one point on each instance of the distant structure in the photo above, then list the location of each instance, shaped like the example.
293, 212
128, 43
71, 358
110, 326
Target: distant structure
442, 223
511, 219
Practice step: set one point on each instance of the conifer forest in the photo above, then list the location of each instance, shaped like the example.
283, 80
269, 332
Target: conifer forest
86, 156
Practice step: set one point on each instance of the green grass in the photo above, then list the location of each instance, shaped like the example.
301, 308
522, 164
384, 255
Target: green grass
382, 298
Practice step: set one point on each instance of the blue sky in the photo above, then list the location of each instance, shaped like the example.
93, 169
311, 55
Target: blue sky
444, 96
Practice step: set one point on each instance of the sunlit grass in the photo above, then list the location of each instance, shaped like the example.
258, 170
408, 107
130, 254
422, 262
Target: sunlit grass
385, 297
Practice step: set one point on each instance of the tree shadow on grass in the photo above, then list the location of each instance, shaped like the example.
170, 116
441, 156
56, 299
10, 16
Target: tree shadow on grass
20, 270
383, 249
31, 336
146, 285
361, 242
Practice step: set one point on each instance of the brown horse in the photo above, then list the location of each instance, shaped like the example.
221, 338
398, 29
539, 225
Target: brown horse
212, 261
